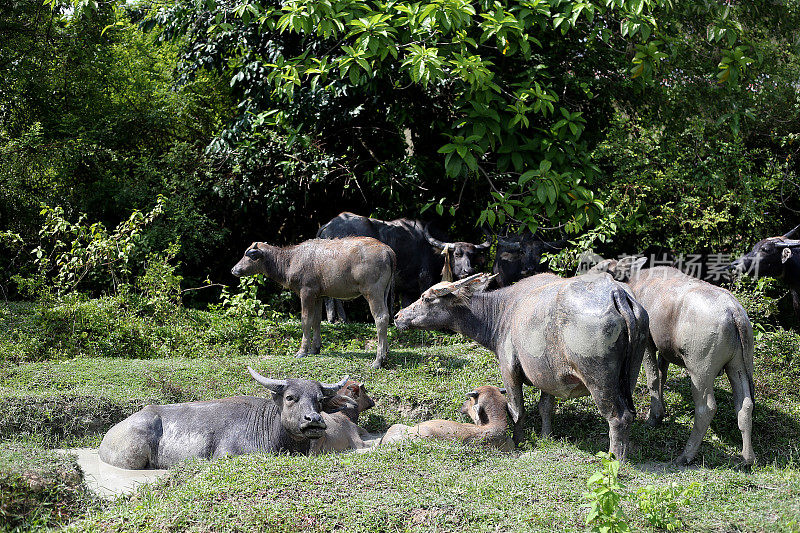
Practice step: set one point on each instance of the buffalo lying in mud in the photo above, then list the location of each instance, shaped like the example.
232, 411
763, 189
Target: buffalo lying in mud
698, 326
339, 268
160, 436
569, 337
421, 259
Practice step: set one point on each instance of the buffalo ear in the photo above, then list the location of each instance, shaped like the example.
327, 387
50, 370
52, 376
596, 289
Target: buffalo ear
786, 254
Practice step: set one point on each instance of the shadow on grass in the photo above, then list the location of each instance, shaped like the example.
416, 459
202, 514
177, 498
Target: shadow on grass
579, 422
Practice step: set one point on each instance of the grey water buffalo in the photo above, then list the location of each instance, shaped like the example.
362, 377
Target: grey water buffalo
160, 436
422, 260
343, 432
487, 408
521, 256
775, 257
569, 337
698, 326
340, 268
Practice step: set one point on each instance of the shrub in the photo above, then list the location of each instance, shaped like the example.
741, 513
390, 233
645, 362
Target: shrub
604, 496
660, 505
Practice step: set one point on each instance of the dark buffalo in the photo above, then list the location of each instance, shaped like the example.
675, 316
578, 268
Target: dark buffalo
521, 256
700, 327
422, 260
568, 337
775, 257
340, 268
160, 436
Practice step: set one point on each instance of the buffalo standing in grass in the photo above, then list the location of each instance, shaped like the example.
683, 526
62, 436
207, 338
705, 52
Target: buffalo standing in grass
339, 268
698, 326
568, 337
775, 257
160, 436
421, 259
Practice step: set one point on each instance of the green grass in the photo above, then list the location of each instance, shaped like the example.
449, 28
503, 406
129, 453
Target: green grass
66, 401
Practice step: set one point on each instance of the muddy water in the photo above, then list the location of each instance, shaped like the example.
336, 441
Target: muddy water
106, 480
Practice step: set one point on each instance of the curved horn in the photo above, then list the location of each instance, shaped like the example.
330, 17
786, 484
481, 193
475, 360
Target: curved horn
471, 394
484, 245
275, 385
787, 243
432, 240
791, 232
331, 389
444, 289
513, 246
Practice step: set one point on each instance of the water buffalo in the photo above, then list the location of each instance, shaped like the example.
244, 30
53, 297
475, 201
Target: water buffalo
775, 257
486, 406
343, 432
421, 259
160, 436
698, 326
568, 337
340, 268
521, 256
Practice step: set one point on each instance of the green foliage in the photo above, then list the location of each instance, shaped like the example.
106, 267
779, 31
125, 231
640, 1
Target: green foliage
159, 285
660, 505
70, 252
760, 298
603, 497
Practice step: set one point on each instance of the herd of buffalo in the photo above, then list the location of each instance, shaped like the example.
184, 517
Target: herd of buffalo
569, 337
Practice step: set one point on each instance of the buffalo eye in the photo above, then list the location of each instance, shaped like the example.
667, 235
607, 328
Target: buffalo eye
289, 398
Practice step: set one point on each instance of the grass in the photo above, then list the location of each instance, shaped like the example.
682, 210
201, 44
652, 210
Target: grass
68, 399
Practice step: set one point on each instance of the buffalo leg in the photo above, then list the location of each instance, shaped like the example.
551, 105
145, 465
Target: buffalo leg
377, 306
619, 419
330, 309
656, 372
743, 405
546, 404
317, 342
308, 302
342, 317
513, 385
705, 407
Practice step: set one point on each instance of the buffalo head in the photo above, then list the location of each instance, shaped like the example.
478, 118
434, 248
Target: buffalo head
462, 259
437, 305
768, 257
252, 262
621, 270
483, 402
300, 402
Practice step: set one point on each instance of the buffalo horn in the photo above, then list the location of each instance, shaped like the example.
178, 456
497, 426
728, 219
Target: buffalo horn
788, 243
331, 389
472, 394
433, 241
509, 245
275, 385
791, 232
484, 245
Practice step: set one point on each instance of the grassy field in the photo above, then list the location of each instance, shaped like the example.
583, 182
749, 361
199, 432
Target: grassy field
64, 386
